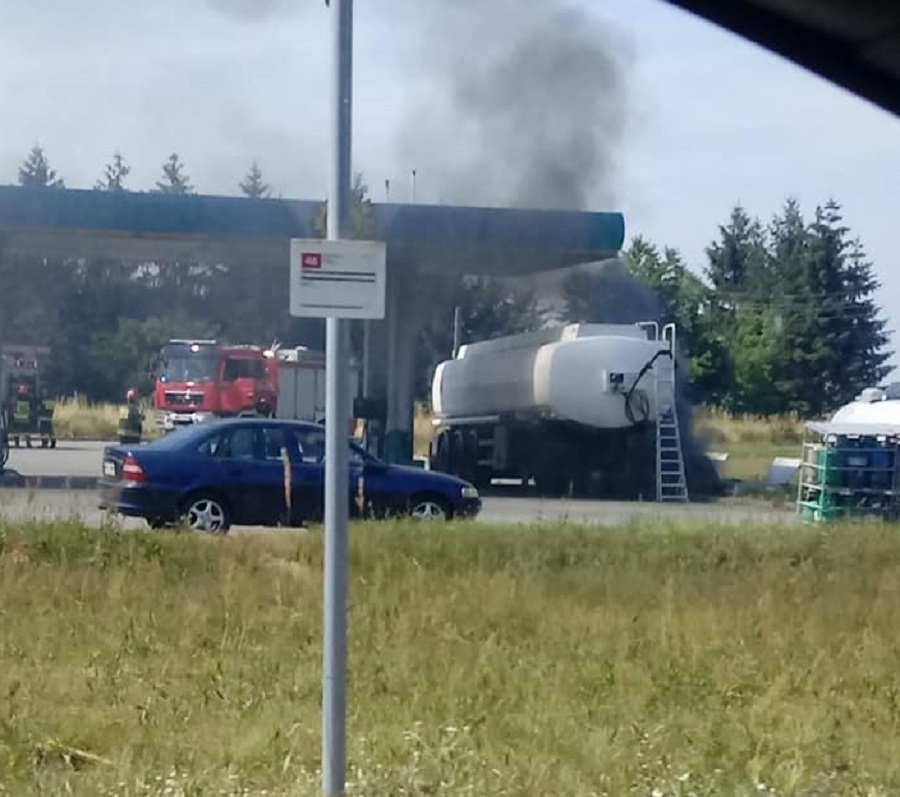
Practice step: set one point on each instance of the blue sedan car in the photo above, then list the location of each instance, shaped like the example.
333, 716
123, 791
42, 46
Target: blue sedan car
231, 472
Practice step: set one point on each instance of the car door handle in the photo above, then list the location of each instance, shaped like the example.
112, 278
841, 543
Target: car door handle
235, 470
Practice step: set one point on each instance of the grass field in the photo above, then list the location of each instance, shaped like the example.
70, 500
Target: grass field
488, 661
750, 441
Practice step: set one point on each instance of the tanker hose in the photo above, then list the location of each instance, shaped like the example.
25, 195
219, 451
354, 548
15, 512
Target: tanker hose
643, 405
644, 400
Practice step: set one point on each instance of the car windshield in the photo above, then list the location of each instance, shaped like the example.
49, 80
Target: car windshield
189, 368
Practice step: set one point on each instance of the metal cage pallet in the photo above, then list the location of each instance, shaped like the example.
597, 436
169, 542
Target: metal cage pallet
846, 477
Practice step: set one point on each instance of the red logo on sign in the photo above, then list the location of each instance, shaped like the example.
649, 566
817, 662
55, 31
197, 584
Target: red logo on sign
311, 260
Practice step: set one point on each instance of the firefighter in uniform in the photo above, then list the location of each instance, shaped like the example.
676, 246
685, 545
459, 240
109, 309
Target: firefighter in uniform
131, 419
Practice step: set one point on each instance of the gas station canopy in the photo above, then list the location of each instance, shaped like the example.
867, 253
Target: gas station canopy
154, 226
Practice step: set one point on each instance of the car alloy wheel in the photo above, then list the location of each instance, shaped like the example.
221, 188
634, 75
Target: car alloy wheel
207, 515
428, 510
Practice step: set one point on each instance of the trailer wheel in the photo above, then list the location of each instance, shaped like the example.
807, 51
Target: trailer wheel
457, 454
441, 453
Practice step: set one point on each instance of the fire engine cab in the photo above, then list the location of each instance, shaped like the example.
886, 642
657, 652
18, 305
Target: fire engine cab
195, 380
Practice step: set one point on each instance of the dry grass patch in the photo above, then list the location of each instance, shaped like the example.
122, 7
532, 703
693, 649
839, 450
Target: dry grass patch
77, 419
715, 427
490, 661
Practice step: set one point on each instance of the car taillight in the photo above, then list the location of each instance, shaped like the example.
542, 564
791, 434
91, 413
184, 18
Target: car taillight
132, 471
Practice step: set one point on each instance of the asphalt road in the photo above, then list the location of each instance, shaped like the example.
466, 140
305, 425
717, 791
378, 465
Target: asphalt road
83, 460
69, 458
23, 505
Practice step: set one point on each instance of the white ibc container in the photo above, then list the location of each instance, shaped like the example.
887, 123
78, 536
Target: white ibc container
879, 412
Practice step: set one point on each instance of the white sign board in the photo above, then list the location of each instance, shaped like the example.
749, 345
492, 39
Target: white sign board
339, 279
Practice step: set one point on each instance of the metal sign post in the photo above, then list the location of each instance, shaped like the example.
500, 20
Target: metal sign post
337, 279
337, 349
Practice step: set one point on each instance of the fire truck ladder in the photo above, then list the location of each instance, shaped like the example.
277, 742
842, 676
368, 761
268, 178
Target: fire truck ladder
671, 483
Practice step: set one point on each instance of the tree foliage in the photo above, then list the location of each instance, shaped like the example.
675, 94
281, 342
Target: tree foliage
35, 172
792, 315
253, 185
174, 180
114, 175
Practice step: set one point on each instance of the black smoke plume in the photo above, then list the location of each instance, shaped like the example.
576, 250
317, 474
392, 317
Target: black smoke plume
252, 9
523, 104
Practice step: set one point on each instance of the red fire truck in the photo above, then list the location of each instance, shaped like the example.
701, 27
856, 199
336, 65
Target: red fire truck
200, 379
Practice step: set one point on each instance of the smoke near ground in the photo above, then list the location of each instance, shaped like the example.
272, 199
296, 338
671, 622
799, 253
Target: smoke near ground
522, 104
608, 293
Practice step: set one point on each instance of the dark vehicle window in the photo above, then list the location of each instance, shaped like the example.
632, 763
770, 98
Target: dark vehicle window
247, 443
274, 439
243, 369
310, 444
210, 446
238, 444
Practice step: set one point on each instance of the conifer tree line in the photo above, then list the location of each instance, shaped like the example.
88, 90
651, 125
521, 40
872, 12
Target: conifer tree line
781, 317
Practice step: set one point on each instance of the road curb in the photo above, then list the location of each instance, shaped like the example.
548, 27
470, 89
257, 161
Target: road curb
14, 479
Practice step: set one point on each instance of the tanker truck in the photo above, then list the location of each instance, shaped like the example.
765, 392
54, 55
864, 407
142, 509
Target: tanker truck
573, 408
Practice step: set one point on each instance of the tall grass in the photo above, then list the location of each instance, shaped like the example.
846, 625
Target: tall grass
490, 661
76, 418
714, 426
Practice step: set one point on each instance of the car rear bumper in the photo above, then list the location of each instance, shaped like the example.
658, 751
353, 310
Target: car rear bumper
136, 500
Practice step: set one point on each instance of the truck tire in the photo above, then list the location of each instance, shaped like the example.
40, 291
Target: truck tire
439, 458
470, 457
457, 453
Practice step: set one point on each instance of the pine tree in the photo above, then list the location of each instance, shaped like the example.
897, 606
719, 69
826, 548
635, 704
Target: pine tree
737, 261
796, 364
36, 171
174, 180
114, 175
847, 322
253, 185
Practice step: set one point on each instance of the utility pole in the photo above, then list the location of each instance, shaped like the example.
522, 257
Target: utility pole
337, 379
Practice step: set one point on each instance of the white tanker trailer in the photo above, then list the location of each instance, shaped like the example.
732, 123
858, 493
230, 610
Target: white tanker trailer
568, 407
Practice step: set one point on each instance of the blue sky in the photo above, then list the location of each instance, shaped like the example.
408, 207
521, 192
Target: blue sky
711, 119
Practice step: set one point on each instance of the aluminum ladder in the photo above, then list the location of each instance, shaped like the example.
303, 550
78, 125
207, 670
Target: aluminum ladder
671, 483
